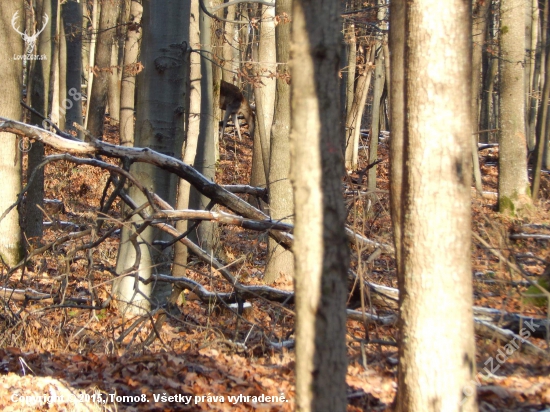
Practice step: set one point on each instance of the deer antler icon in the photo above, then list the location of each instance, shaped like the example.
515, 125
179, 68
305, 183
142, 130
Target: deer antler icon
30, 41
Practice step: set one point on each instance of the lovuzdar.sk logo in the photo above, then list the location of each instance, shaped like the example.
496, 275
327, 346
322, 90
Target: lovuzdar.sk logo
30, 40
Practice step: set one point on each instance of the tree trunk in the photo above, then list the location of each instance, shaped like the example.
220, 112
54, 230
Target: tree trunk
352, 64
11, 246
230, 66
38, 96
355, 115
102, 67
91, 57
531, 37
193, 132
479, 31
379, 80
542, 121
513, 185
320, 246
71, 101
397, 38
281, 202
205, 159
159, 125
265, 96
130, 69
435, 204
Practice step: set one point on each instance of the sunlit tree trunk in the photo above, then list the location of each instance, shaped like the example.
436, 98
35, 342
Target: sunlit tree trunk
192, 138
281, 207
128, 84
513, 184
11, 247
434, 201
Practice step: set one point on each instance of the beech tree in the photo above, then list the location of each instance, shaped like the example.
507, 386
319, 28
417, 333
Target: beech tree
159, 125
11, 247
431, 202
513, 183
320, 248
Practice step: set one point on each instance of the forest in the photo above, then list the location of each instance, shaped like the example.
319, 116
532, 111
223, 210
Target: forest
241, 205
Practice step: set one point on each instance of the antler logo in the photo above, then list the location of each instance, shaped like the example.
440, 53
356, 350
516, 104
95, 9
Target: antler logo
30, 40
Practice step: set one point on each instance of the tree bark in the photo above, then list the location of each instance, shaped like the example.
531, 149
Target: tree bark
321, 252
38, 95
281, 205
433, 260
130, 69
189, 154
159, 125
11, 246
70, 102
102, 67
513, 184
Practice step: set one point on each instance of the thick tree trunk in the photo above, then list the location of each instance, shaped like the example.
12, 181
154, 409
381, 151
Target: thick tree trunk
435, 205
321, 250
11, 247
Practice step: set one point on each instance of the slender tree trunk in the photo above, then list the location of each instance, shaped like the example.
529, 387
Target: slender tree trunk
56, 71
379, 81
321, 249
513, 184
265, 96
72, 102
193, 131
352, 64
130, 69
229, 72
39, 86
479, 31
11, 245
91, 58
102, 66
397, 38
281, 202
542, 131
531, 36
355, 115
435, 207
205, 159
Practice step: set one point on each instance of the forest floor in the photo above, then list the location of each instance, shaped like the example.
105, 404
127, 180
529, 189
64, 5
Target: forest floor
204, 358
